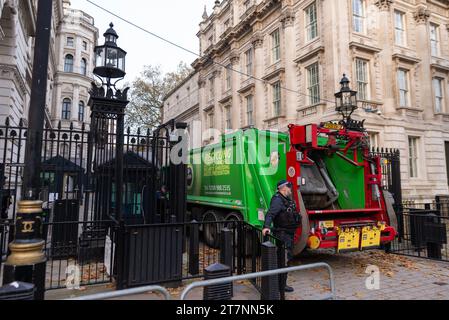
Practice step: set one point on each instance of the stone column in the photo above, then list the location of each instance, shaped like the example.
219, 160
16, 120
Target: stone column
235, 86
259, 96
291, 98
388, 67
424, 73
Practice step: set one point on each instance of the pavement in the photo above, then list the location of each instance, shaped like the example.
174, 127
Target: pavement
395, 278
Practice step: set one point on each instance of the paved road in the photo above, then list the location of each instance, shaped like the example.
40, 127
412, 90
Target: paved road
400, 278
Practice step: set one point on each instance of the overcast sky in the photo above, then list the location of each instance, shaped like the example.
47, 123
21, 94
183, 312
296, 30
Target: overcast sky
176, 20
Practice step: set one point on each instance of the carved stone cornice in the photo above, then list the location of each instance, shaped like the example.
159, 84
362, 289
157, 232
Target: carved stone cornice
13, 73
384, 5
421, 15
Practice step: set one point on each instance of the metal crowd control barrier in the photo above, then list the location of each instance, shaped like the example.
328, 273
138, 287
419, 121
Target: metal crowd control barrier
124, 293
129, 292
266, 274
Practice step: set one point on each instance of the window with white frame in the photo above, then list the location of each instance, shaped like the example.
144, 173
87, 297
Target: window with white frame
413, 156
250, 110
276, 87
81, 111
399, 27
358, 15
311, 22
276, 46
228, 118
362, 78
404, 89
249, 55
84, 45
228, 76
313, 84
434, 40
439, 97
70, 42
68, 63
66, 109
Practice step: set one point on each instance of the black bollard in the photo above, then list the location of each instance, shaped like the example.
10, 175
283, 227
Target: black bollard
219, 292
270, 285
194, 249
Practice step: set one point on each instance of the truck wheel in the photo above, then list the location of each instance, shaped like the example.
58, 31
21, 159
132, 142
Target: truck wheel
211, 229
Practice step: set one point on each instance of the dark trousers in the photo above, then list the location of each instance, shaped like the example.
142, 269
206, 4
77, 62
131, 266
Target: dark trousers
288, 238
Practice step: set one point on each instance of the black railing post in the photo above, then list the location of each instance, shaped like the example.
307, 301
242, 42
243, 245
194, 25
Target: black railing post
282, 263
226, 248
194, 249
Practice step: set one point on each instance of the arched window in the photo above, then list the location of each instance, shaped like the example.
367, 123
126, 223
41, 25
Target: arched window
83, 66
81, 111
66, 109
68, 63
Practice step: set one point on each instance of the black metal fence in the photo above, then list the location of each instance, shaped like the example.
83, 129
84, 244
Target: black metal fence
171, 253
79, 253
79, 192
390, 160
424, 234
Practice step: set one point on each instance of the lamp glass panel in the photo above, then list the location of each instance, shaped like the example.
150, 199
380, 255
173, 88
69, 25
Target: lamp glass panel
112, 58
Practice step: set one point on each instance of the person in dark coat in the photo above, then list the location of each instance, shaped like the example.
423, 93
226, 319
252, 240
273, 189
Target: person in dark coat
283, 219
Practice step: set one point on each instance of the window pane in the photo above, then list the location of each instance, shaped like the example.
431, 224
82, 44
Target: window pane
311, 22
250, 110
438, 89
68, 63
362, 79
358, 15
276, 99
413, 157
313, 84
276, 46
399, 28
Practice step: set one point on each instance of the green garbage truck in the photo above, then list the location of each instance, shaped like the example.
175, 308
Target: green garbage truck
337, 184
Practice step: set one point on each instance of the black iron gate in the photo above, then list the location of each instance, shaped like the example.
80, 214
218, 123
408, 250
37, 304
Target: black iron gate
82, 229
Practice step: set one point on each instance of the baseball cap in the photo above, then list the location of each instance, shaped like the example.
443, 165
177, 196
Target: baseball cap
284, 183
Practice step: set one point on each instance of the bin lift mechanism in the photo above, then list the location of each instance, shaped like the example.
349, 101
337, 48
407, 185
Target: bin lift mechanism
342, 138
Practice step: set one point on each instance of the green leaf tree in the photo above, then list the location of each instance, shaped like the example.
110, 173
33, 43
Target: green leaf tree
147, 93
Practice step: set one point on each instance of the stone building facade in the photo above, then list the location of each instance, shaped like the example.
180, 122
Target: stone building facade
269, 63
65, 80
75, 42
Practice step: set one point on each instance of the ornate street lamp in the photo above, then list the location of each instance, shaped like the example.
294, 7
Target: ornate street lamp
109, 58
107, 103
346, 100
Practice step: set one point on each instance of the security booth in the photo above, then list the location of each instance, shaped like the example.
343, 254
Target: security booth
136, 178
62, 181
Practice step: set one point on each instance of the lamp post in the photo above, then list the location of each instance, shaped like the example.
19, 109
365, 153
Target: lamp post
27, 261
106, 137
346, 100
108, 105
